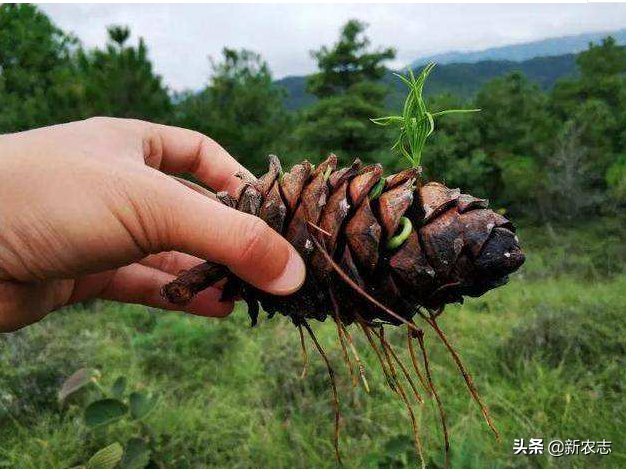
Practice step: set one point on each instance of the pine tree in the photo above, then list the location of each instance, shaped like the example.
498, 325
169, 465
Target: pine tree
119, 81
241, 108
349, 93
38, 84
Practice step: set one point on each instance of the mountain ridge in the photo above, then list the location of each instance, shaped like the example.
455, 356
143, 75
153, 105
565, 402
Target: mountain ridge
461, 79
552, 46
463, 73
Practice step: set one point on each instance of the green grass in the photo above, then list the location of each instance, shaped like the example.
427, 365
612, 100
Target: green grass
547, 353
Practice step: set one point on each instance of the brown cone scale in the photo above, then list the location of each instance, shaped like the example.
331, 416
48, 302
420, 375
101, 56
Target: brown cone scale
457, 247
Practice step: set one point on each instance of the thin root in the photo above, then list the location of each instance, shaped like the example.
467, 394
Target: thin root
386, 349
359, 363
346, 357
468, 378
331, 375
442, 414
368, 334
405, 371
305, 360
414, 361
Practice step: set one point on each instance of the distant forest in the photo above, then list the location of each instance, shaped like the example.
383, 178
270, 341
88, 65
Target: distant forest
463, 80
548, 144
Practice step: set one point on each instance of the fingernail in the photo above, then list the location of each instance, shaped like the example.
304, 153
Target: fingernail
292, 276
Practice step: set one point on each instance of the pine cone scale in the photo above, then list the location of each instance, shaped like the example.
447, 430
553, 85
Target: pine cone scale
363, 234
363, 182
293, 182
274, 211
393, 204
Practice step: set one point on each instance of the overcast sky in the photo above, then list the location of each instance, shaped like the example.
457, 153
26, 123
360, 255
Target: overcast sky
181, 37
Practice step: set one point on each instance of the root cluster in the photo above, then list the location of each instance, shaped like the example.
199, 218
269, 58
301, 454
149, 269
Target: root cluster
398, 376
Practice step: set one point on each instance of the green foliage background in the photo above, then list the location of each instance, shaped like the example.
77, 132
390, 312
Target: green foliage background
547, 351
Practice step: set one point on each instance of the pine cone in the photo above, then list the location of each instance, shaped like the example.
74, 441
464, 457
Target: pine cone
457, 246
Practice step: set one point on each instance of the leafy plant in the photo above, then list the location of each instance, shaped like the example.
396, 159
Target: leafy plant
106, 458
115, 404
616, 178
137, 454
104, 412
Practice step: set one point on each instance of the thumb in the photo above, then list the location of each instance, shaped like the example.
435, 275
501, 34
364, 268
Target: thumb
205, 228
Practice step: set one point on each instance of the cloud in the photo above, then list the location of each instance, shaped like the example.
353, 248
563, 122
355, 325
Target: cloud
182, 37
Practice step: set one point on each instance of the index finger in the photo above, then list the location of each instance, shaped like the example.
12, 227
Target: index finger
178, 150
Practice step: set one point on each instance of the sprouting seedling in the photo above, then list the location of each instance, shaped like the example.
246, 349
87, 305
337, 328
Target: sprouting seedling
416, 122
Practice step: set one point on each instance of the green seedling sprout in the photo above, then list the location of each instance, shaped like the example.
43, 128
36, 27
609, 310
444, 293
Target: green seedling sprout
405, 230
416, 122
327, 173
377, 189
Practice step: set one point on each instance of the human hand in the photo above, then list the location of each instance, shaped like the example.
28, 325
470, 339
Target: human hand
87, 211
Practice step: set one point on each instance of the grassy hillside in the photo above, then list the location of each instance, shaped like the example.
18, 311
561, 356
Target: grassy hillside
462, 79
547, 353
